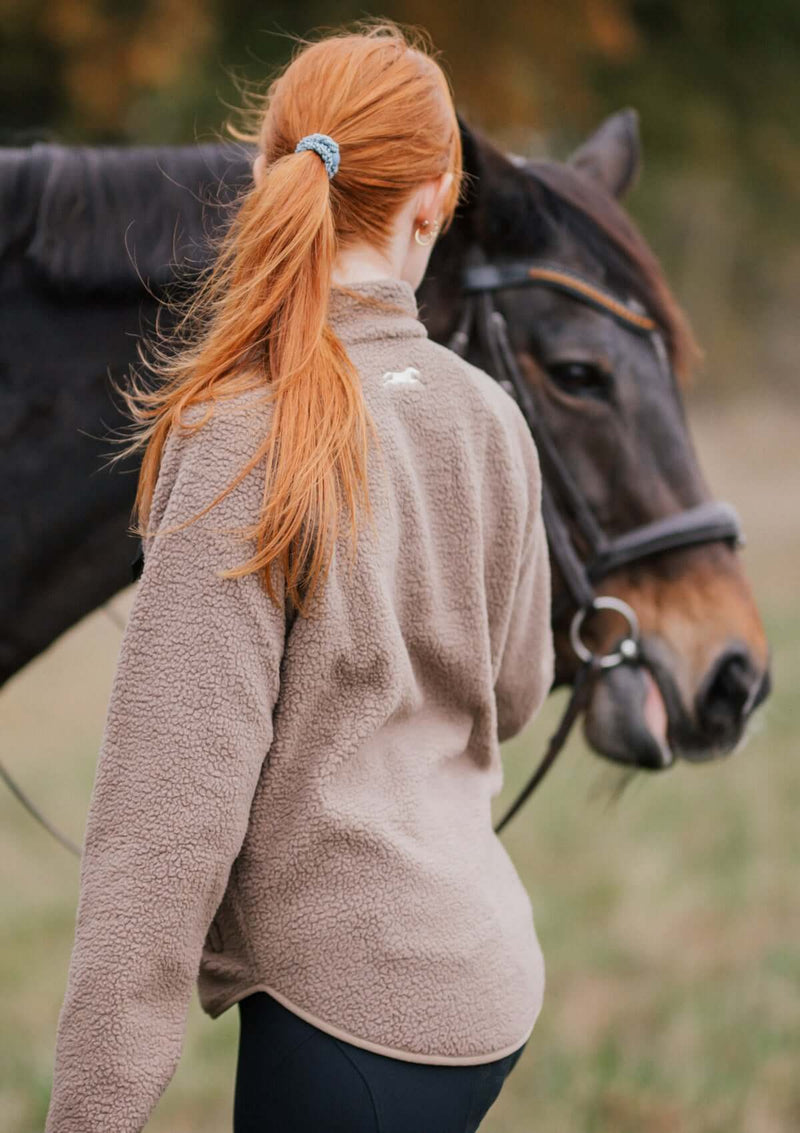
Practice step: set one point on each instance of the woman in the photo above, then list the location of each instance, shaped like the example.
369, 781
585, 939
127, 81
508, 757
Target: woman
292, 801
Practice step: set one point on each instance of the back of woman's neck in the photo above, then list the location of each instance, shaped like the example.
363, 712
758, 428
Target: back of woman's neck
362, 263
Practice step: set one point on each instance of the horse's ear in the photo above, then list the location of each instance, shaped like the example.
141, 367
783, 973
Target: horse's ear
612, 155
475, 149
485, 166
501, 206
470, 148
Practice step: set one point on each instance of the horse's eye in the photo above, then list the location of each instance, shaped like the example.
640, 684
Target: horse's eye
580, 377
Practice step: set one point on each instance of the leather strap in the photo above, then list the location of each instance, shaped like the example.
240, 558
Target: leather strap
579, 698
483, 278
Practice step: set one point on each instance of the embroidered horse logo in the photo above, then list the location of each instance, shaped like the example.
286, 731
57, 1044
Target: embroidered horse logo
407, 377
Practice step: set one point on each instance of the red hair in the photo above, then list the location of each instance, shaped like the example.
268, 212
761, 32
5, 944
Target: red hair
258, 317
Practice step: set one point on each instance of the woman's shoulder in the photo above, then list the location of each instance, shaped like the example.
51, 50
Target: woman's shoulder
207, 449
487, 393
240, 413
216, 430
501, 411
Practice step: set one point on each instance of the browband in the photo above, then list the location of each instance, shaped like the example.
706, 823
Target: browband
494, 277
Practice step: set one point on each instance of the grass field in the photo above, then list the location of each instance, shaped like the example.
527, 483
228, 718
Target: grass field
669, 919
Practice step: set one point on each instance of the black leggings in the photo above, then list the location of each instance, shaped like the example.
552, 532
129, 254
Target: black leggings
292, 1077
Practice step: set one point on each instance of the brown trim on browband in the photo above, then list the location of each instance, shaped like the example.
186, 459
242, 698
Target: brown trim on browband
580, 287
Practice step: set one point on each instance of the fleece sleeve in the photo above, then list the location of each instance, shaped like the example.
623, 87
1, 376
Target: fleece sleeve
527, 665
188, 726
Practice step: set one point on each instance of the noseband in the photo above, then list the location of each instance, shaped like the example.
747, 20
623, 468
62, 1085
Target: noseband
704, 523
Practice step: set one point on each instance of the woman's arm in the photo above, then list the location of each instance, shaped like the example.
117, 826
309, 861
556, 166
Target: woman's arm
188, 727
528, 660
527, 668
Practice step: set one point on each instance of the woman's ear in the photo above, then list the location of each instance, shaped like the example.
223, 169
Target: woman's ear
431, 198
259, 169
443, 192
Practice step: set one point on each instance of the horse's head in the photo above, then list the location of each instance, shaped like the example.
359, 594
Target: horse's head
602, 382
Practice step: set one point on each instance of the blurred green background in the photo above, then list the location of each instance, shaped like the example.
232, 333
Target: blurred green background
669, 917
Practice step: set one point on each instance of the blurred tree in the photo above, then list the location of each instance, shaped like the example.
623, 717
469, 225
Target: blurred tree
97, 63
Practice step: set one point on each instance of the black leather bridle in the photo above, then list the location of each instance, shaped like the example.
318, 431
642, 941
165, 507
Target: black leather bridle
704, 523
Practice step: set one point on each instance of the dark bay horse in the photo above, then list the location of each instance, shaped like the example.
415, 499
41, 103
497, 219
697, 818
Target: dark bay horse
89, 237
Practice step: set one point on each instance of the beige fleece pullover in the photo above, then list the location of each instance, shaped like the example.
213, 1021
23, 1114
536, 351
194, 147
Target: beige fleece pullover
303, 805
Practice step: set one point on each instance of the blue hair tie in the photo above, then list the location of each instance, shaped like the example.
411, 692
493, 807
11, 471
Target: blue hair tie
326, 147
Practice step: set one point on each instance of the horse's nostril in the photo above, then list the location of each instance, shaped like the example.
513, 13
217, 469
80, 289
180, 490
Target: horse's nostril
727, 695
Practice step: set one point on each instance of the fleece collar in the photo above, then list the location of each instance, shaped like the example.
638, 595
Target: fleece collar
375, 309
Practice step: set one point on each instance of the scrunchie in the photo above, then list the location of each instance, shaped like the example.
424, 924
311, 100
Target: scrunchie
325, 147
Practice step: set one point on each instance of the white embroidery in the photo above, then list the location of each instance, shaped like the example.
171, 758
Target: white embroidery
406, 377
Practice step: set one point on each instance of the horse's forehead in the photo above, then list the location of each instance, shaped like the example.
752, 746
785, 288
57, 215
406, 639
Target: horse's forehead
555, 321
576, 255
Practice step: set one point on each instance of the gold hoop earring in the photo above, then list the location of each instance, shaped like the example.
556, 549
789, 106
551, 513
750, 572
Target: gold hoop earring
426, 240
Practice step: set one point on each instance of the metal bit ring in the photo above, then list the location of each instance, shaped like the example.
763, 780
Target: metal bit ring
629, 646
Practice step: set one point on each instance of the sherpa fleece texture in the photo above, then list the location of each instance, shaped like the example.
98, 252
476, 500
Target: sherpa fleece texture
303, 805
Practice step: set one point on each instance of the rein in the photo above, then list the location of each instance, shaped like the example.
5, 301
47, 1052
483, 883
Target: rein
706, 522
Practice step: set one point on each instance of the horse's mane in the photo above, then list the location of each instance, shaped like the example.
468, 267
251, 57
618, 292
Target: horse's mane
594, 218
82, 237
78, 203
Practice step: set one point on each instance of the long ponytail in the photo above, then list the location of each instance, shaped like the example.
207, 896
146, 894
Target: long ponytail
258, 317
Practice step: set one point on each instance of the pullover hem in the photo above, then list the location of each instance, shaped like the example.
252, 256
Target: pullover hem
365, 1044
